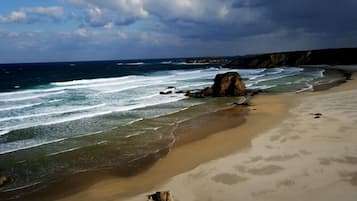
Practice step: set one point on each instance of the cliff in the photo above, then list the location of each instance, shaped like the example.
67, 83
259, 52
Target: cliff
342, 56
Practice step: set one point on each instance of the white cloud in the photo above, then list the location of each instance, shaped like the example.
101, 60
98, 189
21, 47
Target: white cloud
98, 13
81, 32
123, 35
53, 11
23, 15
109, 25
14, 17
101, 13
223, 11
204, 11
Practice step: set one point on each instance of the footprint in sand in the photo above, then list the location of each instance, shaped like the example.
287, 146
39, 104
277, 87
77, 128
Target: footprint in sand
286, 183
228, 178
280, 158
350, 177
305, 152
262, 171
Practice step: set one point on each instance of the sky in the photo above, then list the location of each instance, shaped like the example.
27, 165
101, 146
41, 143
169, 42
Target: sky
73, 30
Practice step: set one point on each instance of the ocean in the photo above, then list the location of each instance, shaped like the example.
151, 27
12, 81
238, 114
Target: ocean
58, 119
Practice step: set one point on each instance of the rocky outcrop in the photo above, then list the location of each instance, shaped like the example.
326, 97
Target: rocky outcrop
227, 84
343, 56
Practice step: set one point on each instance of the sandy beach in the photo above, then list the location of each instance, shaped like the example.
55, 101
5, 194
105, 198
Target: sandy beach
283, 149
158, 100
301, 158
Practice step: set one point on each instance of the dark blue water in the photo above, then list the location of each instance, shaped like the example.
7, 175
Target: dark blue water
23, 76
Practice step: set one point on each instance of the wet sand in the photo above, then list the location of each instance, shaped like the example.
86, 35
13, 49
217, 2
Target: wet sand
308, 156
194, 147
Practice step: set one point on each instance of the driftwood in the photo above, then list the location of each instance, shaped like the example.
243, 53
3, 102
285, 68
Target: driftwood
161, 196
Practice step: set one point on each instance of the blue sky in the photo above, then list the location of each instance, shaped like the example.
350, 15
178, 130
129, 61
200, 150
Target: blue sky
67, 30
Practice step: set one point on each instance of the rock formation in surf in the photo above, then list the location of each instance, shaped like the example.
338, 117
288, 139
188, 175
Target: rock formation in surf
342, 56
227, 84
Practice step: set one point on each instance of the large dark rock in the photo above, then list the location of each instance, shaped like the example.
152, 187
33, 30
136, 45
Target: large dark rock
342, 56
228, 84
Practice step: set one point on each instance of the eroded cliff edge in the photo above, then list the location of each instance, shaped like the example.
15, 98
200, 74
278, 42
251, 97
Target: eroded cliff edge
331, 57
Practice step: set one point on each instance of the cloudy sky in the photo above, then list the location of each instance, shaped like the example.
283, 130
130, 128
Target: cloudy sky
64, 30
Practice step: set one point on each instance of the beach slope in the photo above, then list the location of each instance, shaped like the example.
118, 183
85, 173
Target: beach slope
308, 156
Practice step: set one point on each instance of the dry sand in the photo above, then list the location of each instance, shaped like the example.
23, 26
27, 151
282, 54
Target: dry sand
301, 158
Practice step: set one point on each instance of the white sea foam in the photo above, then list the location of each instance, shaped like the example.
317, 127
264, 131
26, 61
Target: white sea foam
22, 145
166, 62
31, 97
94, 81
6, 130
55, 100
63, 151
51, 113
135, 64
193, 64
308, 87
19, 107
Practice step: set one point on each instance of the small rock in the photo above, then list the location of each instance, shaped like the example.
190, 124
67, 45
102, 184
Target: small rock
165, 92
195, 94
180, 92
161, 196
3, 180
171, 87
241, 100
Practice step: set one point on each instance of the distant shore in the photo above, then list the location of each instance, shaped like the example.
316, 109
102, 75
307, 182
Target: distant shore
322, 57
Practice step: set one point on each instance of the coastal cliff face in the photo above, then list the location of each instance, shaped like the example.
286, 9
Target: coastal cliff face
343, 56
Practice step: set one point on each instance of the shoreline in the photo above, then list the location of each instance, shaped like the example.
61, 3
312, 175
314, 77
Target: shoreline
182, 157
189, 153
304, 157
72, 184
